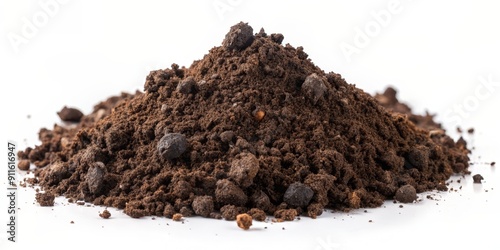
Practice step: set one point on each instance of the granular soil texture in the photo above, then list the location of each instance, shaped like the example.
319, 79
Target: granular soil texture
253, 127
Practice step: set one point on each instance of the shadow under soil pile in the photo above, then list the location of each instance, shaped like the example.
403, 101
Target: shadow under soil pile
253, 127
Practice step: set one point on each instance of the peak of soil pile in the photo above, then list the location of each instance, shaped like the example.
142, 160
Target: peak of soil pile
253, 125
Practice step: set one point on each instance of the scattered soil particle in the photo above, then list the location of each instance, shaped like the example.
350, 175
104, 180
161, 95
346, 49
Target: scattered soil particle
24, 165
177, 217
242, 125
470, 130
80, 203
244, 221
492, 164
70, 114
72, 222
406, 194
45, 199
477, 178
105, 214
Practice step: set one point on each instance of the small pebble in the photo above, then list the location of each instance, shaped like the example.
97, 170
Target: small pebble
172, 145
70, 114
314, 88
298, 195
239, 37
406, 194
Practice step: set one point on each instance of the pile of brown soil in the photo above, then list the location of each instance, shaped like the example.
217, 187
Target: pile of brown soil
252, 127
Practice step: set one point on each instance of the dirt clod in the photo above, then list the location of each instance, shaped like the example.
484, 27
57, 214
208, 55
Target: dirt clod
298, 195
24, 165
229, 212
477, 178
244, 221
203, 205
314, 87
229, 193
257, 214
70, 114
286, 214
105, 214
406, 194
177, 217
45, 199
244, 169
254, 124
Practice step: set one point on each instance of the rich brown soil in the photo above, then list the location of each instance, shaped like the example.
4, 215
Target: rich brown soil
253, 125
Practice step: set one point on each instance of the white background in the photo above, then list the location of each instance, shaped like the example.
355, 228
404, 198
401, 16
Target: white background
79, 52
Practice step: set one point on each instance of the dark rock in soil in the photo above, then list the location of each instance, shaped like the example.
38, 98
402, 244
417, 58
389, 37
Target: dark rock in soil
70, 114
298, 195
406, 194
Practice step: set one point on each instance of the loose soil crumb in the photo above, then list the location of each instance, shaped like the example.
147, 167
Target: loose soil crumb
24, 165
244, 221
286, 214
253, 124
203, 205
70, 114
105, 214
45, 199
477, 178
177, 217
257, 214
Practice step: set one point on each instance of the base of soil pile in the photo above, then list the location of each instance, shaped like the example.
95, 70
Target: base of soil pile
253, 127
